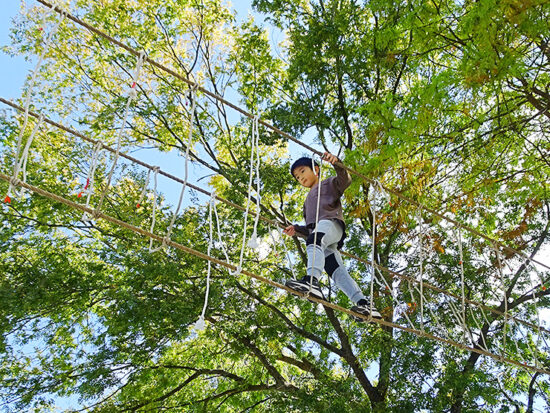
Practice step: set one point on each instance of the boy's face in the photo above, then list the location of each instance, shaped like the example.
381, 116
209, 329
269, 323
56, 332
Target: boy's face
306, 176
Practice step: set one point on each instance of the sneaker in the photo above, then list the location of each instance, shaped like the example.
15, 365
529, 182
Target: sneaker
302, 286
363, 307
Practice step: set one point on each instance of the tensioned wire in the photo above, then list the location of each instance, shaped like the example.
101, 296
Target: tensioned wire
169, 242
286, 135
157, 170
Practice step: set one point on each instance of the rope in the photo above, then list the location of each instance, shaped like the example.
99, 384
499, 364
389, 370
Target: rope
154, 213
315, 229
200, 324
499, 267
421, 275
286, 135
481, 335
132, 93
142, 195
459, 237
186, 171
220, 241
201, 255
373, 248
47, 43
21, 164
461, 321
535, 300
287, 253
90, 179
253, 241
278, 224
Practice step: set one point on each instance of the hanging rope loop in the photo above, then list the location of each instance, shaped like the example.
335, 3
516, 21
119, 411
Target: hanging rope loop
317, 209
253, 242
200, 324
168, 234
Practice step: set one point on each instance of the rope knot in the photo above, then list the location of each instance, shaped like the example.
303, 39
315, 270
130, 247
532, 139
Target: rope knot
213, 195
200, 325
15, 181
165, 240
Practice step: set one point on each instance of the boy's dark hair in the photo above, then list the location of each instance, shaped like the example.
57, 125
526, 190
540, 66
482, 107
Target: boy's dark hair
303, 161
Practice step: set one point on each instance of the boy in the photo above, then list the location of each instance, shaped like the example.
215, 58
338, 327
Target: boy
322, 249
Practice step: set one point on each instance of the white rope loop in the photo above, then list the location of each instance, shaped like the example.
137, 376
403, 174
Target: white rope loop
154, 212
421, 274
12, 191
537, 312
375, 189
461, 263
144, 190
131, 97
166, 238
373, 251
20, 165
287, 253
253, 241
317, 208
481, 335
220, 241
90, 179
501, 275
200, 324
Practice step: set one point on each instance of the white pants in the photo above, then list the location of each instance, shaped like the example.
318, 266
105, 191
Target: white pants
322, 253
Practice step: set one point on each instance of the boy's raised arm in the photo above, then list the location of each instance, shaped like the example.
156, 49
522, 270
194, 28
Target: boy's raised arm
343, 178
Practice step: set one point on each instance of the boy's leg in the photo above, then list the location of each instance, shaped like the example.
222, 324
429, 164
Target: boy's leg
337, 270
328, 232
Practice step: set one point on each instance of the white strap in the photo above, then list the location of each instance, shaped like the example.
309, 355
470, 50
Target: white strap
47, 44
154, 212
200, 324
90, 179
131, 96
186, 171
254, 144
144, 190
253, 242
317, 208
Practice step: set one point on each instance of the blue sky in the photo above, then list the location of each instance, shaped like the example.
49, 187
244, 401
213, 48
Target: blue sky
14, 69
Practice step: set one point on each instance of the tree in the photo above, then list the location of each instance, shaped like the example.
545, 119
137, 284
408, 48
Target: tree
443, 102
